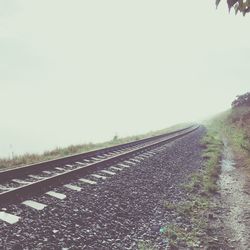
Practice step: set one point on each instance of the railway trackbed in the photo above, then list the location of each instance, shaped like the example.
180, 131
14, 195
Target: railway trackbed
19, 184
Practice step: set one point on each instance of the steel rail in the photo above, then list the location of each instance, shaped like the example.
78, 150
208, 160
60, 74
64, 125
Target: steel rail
22, 192
45, 165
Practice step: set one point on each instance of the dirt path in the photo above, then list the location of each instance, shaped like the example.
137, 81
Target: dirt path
235, 200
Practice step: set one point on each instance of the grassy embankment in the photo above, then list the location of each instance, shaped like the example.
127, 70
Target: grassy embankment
236, 128
28, 158
233, 126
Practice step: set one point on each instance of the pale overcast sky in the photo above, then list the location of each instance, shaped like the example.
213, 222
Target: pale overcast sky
78, 71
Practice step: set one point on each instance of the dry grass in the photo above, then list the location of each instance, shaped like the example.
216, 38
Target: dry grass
25, 159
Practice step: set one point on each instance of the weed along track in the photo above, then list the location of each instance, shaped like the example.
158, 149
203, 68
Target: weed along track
106, 199
21, 182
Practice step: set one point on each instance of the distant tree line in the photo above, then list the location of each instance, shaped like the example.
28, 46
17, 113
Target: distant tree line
241, 100
242, 6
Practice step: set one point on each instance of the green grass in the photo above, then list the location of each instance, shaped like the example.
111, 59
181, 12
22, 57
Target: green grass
191, 210
145, 246
237, 129
20, 160
205, 181
212, 156
179, 236
234, 126
200, 188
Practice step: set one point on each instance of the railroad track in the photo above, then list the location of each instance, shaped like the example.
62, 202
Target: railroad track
18, 184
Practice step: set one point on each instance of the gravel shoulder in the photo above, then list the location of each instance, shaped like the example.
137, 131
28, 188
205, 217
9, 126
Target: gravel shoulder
234, 202
117, 213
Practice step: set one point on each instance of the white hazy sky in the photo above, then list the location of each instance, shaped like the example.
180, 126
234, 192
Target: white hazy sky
78, 71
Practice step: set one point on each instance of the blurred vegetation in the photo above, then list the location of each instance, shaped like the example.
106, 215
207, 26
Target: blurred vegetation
242, 100
234, 125
242, 6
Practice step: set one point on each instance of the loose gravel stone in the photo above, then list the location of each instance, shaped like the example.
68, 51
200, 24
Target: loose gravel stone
116, 213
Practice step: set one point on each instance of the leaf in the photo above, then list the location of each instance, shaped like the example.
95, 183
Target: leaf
236, 7
242, 6
231, 3
246, 11
241, 3
217, 3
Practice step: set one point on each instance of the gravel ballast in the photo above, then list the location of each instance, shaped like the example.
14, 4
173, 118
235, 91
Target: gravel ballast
116, 213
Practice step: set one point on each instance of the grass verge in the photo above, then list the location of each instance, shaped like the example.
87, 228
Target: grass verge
205, 182
192, 216
234, 126
20, 160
